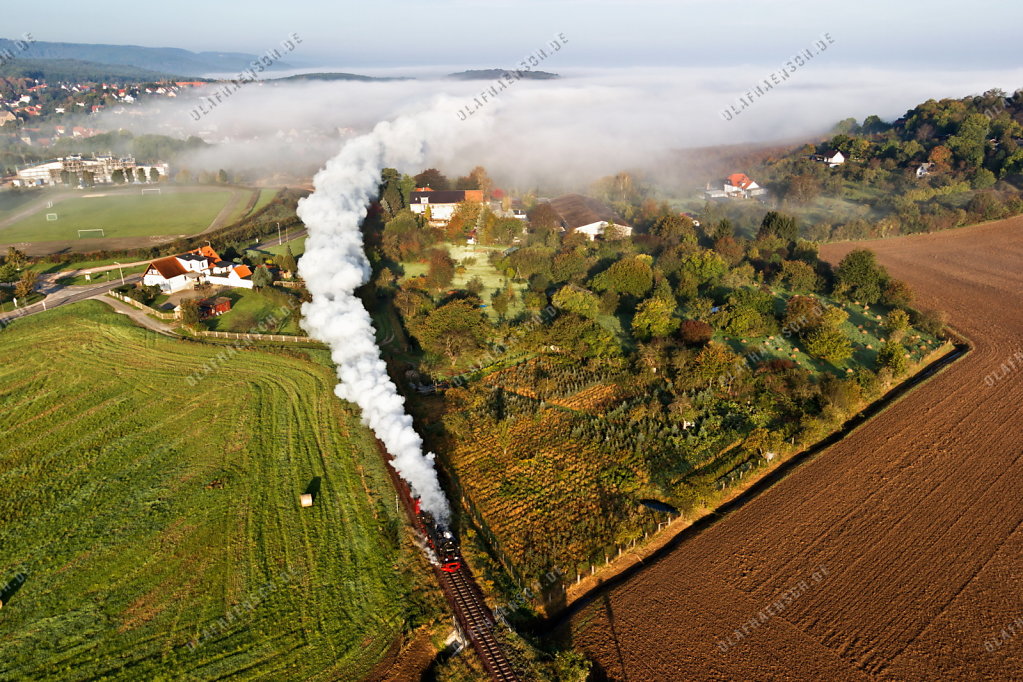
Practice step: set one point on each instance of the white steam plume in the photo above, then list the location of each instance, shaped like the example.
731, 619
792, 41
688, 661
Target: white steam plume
335, 265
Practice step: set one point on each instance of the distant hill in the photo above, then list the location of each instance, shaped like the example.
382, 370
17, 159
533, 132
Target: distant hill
56, 70
491, 74
158, 59
335, 77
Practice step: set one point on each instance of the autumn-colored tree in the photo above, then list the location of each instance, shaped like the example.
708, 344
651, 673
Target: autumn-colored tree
941, 157
893, 356
577, 300
632, 276
452, 329
654, 318
799, 276
695, 332
568, 266
440, 269
26, 284
432, 178
674, 229
190, 312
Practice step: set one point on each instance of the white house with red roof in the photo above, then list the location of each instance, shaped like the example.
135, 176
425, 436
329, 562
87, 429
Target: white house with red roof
184, 271
735, 186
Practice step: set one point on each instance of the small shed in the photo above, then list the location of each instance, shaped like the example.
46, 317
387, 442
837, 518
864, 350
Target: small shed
213, 307
306, 500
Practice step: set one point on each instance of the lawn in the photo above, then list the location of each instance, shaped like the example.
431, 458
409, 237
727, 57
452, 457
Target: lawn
297, 247
121, 214
152, 509
11, 201
265, 197
256, 312
476, 263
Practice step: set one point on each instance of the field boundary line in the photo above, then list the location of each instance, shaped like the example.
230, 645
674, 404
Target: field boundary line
685, 528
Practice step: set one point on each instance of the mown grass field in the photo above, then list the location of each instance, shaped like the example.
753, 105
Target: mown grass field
474, 261
158, 524
121, 214
253, 311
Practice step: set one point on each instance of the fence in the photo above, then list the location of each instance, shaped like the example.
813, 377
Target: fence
257, 337
143, 307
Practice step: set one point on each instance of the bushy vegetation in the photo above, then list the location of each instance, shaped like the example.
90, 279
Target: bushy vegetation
943, 164
664, 367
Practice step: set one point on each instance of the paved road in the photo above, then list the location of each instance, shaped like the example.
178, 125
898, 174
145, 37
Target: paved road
57, 296
288, 236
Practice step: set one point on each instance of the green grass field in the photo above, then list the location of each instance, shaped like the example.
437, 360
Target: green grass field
251, 312
265, 197
13, 201
121, 214
479, 265
157, 522
297, 247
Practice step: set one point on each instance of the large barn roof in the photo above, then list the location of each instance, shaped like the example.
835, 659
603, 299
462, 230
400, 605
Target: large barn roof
576, 210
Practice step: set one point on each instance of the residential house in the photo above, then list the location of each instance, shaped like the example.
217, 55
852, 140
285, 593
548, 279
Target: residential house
440, 205
735, 186
176, 273
924, 169
587, 216
833, 158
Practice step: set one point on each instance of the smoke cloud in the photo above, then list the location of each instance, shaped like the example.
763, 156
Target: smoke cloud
335, 265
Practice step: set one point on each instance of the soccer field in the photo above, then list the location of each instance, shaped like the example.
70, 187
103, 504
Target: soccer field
152, 508
121, 214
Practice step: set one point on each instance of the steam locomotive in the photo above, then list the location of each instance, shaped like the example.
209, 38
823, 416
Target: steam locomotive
441, 540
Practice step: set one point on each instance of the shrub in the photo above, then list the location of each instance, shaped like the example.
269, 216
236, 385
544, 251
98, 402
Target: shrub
695, 333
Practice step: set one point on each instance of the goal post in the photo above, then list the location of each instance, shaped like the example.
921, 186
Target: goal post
150, 190
51, 217
98, 229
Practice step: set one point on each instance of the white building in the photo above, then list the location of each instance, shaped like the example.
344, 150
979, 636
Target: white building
587, 216
101, 167
833, 158
176, 273
440, 205
735, 186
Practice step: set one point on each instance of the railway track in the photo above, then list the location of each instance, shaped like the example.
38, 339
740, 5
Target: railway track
472, 614
477, 622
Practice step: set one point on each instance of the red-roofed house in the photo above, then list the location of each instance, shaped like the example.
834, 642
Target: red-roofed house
175, 273
735, 186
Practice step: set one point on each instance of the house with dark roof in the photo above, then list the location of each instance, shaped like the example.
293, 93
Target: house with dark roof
587, 215
440, 205
176, 273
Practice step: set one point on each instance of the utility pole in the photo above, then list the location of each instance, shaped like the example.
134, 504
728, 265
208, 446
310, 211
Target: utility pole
121, 271
279, 240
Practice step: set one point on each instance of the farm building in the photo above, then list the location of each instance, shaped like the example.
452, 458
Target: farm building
440, 206
587, 216
175, 273
213, 307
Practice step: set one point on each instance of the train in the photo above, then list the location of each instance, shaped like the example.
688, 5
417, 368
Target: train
441, 540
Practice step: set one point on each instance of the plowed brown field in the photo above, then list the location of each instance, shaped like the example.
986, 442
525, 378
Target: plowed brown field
916, 517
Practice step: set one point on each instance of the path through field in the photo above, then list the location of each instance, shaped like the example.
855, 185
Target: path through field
916, 519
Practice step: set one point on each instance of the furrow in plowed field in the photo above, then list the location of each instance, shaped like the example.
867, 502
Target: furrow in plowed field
916, 519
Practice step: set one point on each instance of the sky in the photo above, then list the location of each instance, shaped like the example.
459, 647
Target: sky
946, 34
